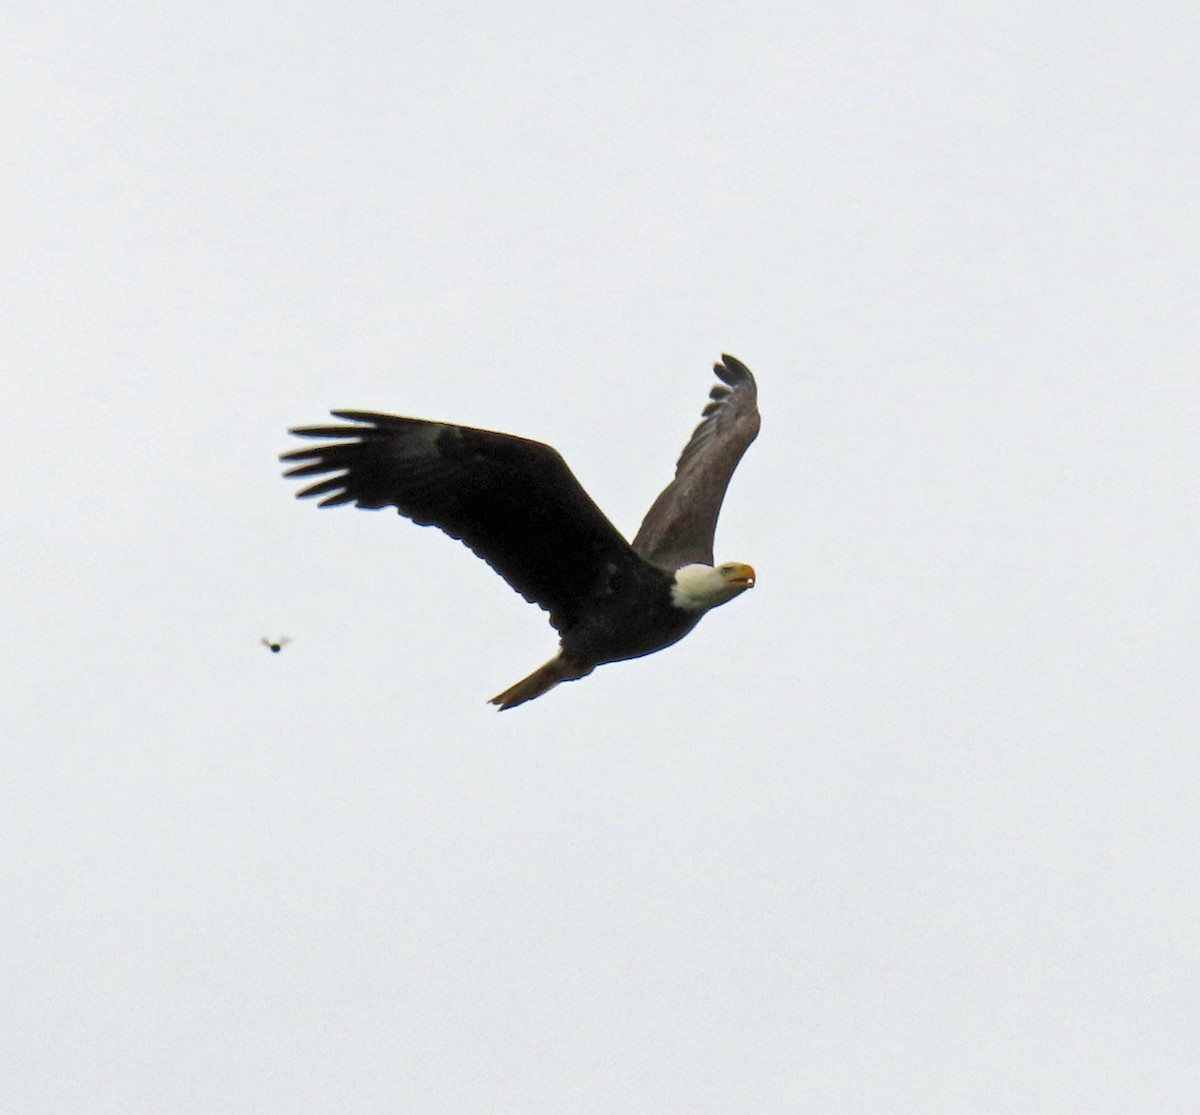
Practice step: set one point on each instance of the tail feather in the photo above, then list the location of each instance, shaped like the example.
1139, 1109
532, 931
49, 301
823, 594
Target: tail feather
542, 680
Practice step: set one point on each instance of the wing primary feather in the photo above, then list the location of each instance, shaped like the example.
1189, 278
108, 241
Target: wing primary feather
326, 431
322, 487
315, 469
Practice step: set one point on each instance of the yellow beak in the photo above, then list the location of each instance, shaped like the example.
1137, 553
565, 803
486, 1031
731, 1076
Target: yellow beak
741, 575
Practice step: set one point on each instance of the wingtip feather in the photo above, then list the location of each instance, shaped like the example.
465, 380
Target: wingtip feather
731, 369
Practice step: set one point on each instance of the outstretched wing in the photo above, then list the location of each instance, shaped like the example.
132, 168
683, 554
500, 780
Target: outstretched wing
679, 527
514, 502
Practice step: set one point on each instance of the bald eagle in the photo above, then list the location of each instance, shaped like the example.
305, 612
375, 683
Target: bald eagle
518, 506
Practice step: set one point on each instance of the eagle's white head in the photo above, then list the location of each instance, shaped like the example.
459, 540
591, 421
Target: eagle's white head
700, 587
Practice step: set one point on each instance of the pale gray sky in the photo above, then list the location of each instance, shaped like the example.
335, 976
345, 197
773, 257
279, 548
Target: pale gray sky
912, 827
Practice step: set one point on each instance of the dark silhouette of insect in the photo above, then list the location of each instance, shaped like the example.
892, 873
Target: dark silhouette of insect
275, 645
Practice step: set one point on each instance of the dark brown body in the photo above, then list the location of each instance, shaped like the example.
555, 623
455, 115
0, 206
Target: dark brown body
631, 616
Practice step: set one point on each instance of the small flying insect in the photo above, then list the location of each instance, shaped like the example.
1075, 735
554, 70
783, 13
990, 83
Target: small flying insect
275, 645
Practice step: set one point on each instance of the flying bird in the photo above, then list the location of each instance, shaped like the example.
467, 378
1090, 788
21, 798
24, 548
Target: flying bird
275, 645
518, 506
